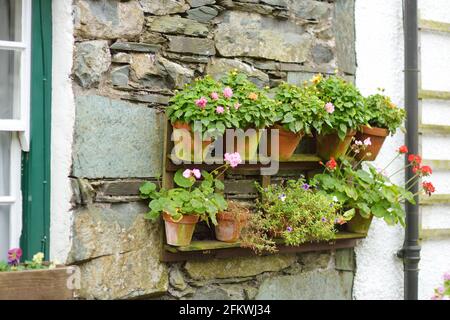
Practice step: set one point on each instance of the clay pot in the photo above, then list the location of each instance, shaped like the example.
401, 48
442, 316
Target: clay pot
358, 224
229, 227
179, 233
377, 137
184, 147
329, 145
288, 142
249, 149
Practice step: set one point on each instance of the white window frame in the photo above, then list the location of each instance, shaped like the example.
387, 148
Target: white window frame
20, 128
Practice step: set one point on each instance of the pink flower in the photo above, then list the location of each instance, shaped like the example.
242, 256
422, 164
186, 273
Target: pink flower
14, 256
368, 142
358, 143
201, 102
447, 276
192, 173
234, 159
329, 107
214, 96
227, 92
237, 105
197, 173
220, 110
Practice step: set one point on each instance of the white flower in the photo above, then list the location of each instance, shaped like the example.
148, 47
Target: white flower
38, 258
335, 199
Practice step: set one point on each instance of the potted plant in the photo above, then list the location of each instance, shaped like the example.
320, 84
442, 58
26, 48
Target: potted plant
34, 280
197, 197
251, 110
346, 113
365, 193
231, 221
384, 119
199, 112
298, 112
294, 213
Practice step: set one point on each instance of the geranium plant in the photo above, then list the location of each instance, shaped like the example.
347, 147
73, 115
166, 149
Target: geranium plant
198, 193
343, 102
370, 191
383, 113
293, 212
298, 109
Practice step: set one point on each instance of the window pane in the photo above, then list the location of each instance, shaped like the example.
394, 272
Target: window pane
5, 156
4, 232
9, 84
10, 20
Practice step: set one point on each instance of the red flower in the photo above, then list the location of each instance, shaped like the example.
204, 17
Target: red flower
426, 171
331, 165
428, 188
415, 169
403, 149
415, 159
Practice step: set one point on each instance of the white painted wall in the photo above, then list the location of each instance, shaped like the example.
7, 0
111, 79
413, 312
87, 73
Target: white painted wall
379, 46
63, 117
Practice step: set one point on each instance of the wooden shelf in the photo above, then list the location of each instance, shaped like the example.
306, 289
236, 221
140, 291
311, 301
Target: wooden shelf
208, 249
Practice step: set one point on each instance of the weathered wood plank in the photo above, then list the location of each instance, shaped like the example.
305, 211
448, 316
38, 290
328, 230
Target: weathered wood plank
36, 285
434, 95
437, 164
434, 129
430, 25
434, 234
435, 199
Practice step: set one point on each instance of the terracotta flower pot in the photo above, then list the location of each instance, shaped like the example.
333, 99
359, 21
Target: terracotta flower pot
185, 147
229, 227
329, 145
179, 233
288, 142
358, 224
377, 137
249, 149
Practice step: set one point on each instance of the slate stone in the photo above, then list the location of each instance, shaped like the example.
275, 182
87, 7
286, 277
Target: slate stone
91, 60
204, 47
164, 7
218, 68
345, 260
254, 35
237, 267
117, 251
344, 25
311, 10
120, 76
135, 46
199, 3
121, 57
108, 19
115, 139
322, 54
314, 285
177, 25
202, 14
278, 3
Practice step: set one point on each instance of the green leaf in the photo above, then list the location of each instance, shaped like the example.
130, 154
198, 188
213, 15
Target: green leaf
147, 188
182, 181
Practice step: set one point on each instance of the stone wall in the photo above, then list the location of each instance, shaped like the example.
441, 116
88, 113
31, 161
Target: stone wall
129, 58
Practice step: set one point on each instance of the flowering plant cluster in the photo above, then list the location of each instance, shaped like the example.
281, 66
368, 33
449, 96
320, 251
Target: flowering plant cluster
299, 109
343, 102
198, 193
383, 113
443, 292
370, 191
234, 102
293, 212
14, 262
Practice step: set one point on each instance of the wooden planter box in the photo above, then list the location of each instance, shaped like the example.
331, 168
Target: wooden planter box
36, 285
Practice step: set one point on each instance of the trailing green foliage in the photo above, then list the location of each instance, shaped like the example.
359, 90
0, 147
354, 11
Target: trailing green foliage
298, 109
383, 113
293, 212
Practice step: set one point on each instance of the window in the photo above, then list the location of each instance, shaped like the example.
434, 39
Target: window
15, 43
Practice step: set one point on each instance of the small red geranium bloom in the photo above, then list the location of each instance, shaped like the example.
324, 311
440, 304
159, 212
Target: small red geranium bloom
428, 188
415, 159
426, 171
331, 165
403, 149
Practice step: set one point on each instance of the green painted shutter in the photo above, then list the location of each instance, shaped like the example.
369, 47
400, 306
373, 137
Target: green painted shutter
36, 163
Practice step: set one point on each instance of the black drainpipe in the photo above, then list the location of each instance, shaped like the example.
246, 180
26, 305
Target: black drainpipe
411, 247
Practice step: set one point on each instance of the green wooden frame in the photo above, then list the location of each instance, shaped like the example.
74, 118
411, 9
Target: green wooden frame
36, 163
